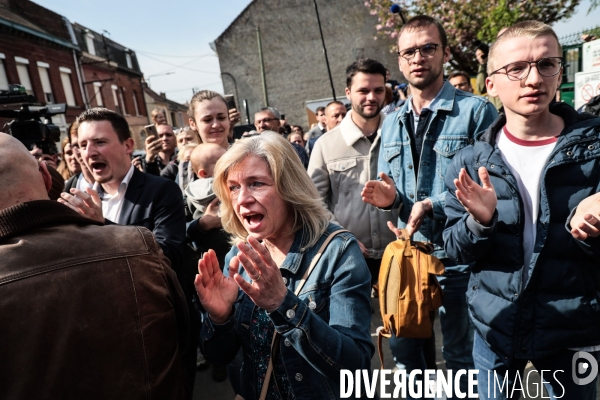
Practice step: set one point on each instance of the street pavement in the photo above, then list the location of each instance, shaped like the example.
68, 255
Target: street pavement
207, 389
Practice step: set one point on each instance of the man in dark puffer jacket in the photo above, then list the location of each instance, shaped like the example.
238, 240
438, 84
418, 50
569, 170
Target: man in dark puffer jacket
523, 212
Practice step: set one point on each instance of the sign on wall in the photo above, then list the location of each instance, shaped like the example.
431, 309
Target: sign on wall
587, 85
591, 56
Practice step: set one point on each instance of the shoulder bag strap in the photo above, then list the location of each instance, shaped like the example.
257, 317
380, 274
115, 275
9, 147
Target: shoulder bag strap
276, 336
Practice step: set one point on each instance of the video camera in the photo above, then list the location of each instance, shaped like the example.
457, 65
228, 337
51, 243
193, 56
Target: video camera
27, 125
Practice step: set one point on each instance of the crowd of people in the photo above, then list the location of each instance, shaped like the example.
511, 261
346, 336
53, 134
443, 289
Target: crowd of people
259, 255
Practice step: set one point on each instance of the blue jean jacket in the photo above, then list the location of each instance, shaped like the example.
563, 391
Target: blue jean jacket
457, 116
317, 342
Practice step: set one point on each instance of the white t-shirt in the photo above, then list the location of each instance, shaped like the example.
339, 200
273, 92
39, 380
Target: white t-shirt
526, 160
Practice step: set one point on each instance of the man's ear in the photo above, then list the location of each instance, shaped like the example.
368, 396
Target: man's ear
447, 54
347, 90
491, 88
202, 174
129, 145
45, 175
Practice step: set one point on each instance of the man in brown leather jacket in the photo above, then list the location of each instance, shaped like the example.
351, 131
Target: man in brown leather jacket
87, 311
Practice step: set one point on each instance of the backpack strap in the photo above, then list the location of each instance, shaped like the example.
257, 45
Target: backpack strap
276, 336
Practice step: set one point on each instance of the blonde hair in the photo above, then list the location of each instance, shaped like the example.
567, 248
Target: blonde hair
157, 111
527, 29
183, 131
291, 182
201, 96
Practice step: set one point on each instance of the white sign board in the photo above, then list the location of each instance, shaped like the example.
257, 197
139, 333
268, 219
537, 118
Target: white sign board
591, 56
587, 85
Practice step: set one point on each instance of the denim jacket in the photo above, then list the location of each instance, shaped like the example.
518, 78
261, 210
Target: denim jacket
317, 342
457, 116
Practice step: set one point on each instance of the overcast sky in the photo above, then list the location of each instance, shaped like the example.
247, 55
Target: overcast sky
174, 36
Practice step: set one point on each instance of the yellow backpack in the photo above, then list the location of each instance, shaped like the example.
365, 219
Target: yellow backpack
408, 296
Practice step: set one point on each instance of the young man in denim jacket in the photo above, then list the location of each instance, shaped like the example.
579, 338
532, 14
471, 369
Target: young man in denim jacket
523, 212
417, 144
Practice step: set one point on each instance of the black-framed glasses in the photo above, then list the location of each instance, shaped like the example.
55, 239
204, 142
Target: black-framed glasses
427, 50
519, 70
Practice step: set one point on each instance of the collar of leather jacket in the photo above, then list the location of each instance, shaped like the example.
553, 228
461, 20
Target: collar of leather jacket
32, 214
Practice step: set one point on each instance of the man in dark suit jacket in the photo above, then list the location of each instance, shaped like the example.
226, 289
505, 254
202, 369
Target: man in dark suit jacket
122, 194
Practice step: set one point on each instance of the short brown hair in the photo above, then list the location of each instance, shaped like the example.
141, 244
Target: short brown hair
460, 73
528, 29
201, 96
118, 123
425, 21
366, 66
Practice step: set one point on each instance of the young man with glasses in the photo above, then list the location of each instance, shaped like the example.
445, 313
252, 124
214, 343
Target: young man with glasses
417, 145
523, 212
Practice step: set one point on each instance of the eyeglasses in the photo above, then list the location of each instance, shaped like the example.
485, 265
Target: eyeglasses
520, 70
427, 50
260, 121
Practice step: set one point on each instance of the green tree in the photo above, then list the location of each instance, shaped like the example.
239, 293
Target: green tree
469, 21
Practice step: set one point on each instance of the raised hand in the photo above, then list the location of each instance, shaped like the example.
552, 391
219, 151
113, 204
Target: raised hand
210, 219
586, 221
87, 204
216, 292
419, 211
153, 146
234, 117
267, 289
379, 193
479, 201
137, 162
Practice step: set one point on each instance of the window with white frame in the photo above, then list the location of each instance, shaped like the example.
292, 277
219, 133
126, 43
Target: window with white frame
45, 78
98, 94
65, 77
122, 101
114, 89
128, 59
3, 77
23, 72
135, 104
89, 40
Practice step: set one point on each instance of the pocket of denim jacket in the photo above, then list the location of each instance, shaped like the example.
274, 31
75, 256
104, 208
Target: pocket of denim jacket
391, 152
448, 146
317, 298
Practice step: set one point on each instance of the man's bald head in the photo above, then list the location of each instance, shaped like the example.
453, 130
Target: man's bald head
21, 178
204, 157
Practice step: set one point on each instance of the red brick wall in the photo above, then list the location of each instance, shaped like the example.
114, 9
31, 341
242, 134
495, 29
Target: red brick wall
34, 50
131, 84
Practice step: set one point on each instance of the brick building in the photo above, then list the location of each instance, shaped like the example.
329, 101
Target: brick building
111, 78
294, 64
39, 51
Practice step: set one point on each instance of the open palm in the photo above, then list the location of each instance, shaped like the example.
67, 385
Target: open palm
216, 292
479, 201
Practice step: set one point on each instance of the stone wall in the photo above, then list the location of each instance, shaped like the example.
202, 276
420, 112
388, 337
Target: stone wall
295, 67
